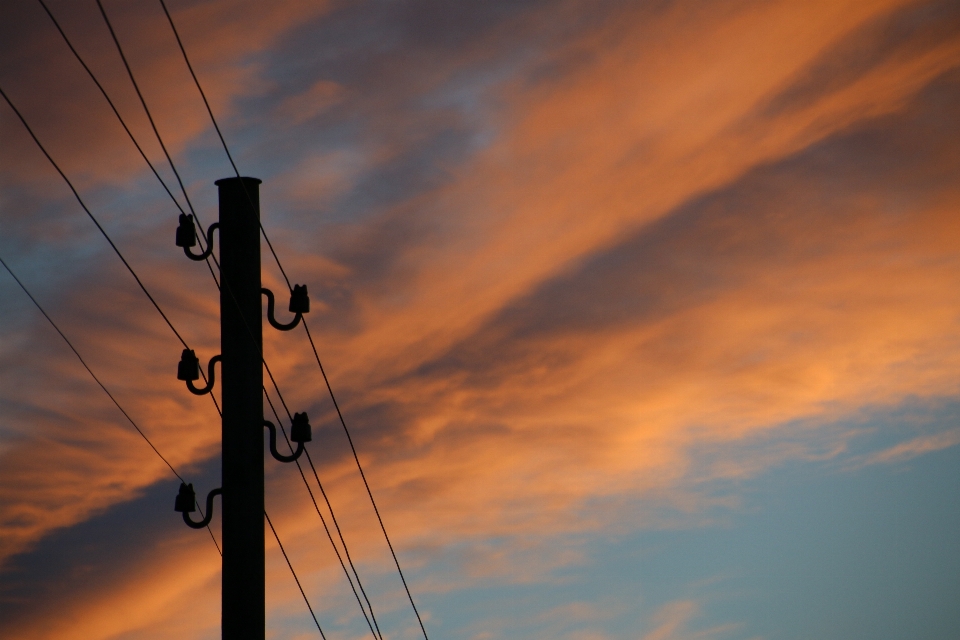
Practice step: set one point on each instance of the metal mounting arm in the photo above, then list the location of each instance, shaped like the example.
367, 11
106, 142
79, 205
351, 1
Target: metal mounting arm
299, 433
299, 305
273, 445
186, 504
187, 237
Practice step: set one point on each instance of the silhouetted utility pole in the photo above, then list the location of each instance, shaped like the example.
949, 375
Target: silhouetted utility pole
241, 344
241, 349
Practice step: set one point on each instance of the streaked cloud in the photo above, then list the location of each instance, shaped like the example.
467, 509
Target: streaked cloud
556, 252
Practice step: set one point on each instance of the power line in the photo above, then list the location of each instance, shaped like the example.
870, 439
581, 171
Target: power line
147, 440
92, 217
323, 520
119, 254
213, 119
116, 112
101, 229
87, 367
203, 95
276, 387
102, 386
143, 102
309, 336
299, 586
126, 128
364, 477
153, 125
342, 541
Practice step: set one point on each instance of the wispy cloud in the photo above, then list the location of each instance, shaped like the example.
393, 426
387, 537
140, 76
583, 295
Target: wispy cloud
553, 251
915, 447
673, 621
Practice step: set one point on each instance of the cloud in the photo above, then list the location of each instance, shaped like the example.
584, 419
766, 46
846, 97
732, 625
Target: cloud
560, 253
673, 620
916, 447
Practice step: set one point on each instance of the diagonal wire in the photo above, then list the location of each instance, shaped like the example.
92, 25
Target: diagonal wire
206, 103
299, 586
342, 541
103, 232
364, 477
153, 125
329, 506
91, 216
310, 337
133, 139
273, 381
116, 112
189, 204
102, 386
323, 520
203, 95
143, 102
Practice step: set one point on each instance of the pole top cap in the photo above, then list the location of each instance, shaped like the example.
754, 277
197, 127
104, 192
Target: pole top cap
234, 179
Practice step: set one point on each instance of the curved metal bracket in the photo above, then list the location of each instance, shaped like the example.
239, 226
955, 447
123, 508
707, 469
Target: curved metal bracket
271, 305
211, 378
273, 445
206, 520
191, 233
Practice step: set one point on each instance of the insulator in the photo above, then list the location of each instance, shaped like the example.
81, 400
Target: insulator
189, 366
300, 431
299, 300
186, 232
186, 499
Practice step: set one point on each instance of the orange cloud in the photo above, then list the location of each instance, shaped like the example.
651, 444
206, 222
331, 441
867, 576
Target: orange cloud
684, 228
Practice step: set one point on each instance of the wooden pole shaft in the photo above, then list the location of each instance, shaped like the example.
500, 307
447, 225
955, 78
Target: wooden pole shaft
241, 343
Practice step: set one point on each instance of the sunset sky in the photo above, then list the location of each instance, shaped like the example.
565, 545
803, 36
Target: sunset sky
644, 315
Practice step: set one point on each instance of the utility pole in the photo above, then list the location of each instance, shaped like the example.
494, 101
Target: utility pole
241, 358
241, 346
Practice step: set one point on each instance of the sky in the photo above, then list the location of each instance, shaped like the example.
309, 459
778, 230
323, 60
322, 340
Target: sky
642, 315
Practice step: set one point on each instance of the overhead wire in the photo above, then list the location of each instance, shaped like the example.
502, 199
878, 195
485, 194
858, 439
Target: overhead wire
116, 112
306, 328
299, 586
193, 211
92, 217
103, 386
103, 232
189, 204
116, 249
376, 634
216, 126
153, 125
157, 306
129, 133
366, 484
139, 148
143, 102
336, 524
